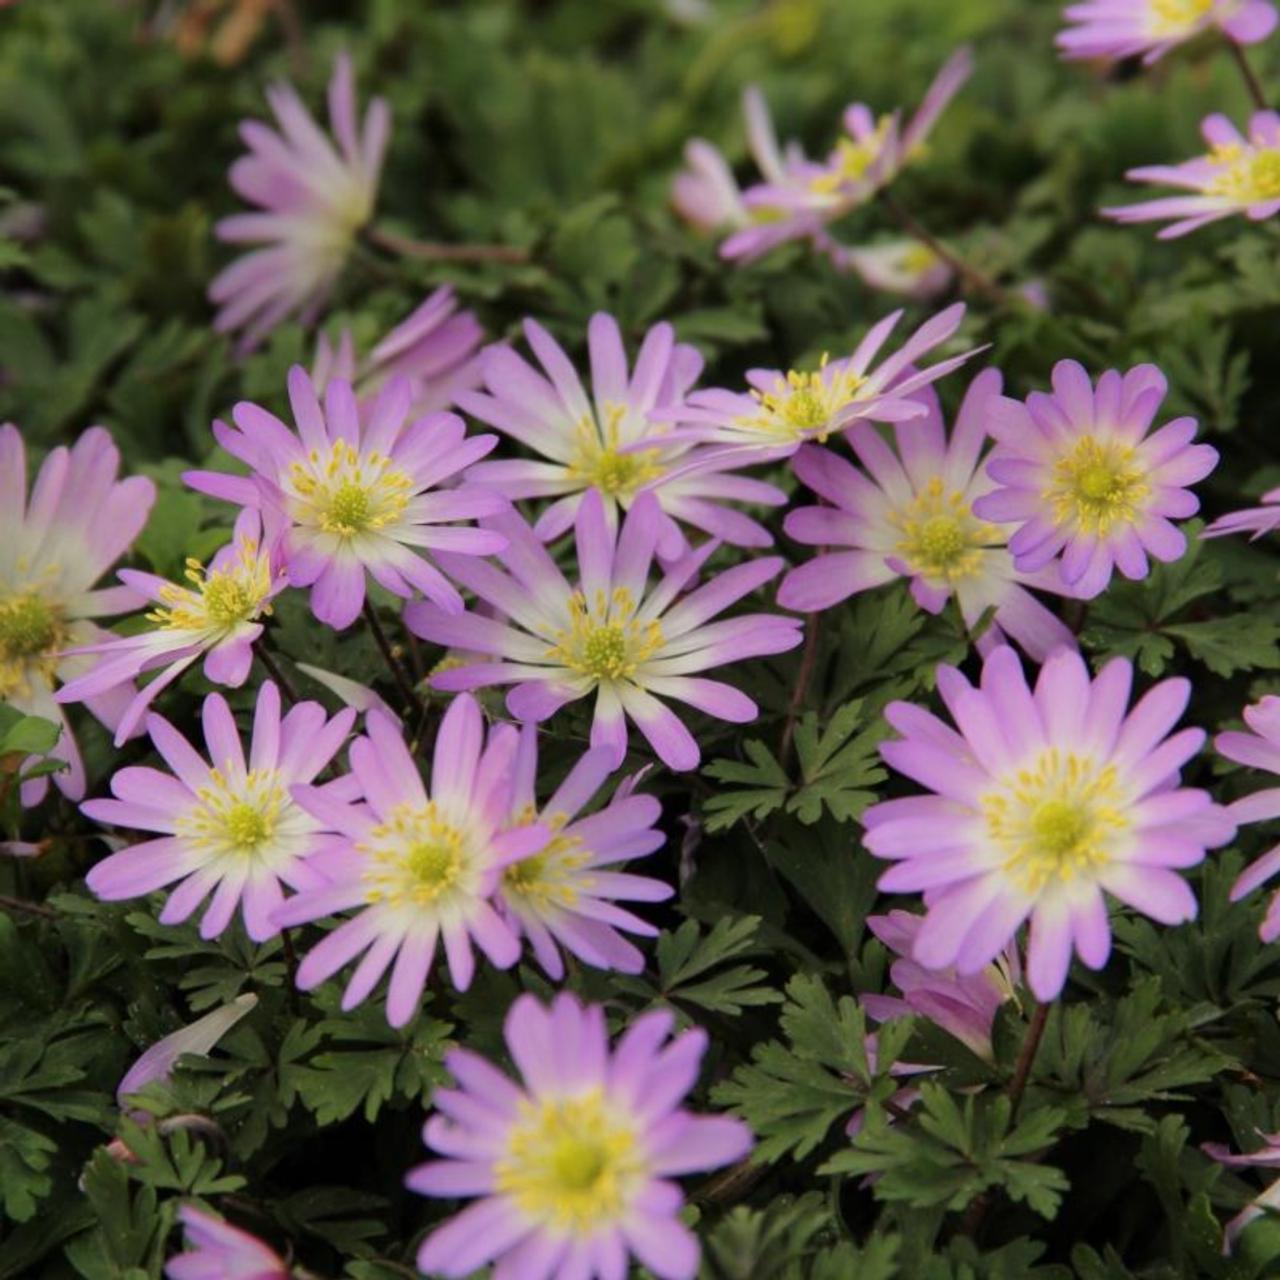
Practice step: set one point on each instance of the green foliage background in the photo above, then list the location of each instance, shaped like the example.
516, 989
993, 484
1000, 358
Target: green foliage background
556, 125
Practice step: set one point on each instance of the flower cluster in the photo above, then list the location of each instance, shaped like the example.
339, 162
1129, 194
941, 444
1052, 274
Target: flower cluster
610, 553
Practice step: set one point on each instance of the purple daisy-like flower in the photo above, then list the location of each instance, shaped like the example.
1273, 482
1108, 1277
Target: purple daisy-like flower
423, 868
355, 492
572, 1166
610, 635
1079, 474
1238, 175
80, 519
1267, 1203
314, 198
912, 517
566, 895
706, 194
963, 1005
218, 1251
215, 617
615, 442
435, 348
800, 197
1044, 803
1259, 748
227, 825
1255, 521
1116, 29
781, 411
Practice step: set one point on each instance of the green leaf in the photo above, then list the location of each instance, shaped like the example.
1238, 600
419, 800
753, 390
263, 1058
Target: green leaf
945, 1154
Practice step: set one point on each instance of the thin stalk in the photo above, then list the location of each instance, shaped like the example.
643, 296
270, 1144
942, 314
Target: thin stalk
1248, 75
804, 678
31, 908
969, 274
1026, 1057
272, 668
434, 251
398, 673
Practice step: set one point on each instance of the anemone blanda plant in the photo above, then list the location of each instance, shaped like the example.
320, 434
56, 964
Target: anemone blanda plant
1255, 521
419, 868
355, 494
567, 895
781, 411
1084, 478
313, 197
216, 616
1257, 747
226, 824
54, 548
611, 635
1267, 1156
1239, 174
799, 197
911, 516
1042, 804
1117, 29
435, 347
571, 1167
614, 442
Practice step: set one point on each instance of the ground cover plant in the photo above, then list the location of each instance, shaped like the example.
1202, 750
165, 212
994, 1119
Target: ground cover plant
639, 639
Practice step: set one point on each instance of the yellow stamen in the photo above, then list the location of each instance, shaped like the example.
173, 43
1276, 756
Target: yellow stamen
1176, 17
1056, 820
598, 463
1096, 486
32, 633
802, 405
941, 540
604, 641
235, 817
347, 492
572, 1164
1250, 174
415, 858
551, 878
852, 159
217, 602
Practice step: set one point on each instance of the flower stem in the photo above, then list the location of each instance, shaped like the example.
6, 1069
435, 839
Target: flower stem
1248, 75
974, 278
272, 668
980, 1205
804, 678
398, 674
434, 251
1026, 1057
31, 908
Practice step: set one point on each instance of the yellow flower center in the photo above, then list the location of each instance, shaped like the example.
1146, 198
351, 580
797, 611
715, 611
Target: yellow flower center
218, 602
598, 463
414, 858
851, 160
940, 539
1096, 486
918, 258
235, 817
1250, 174
549, 878
1177, 17
604, 641
802, 405
1055, 820
571, 1164
347, 492
32, 632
